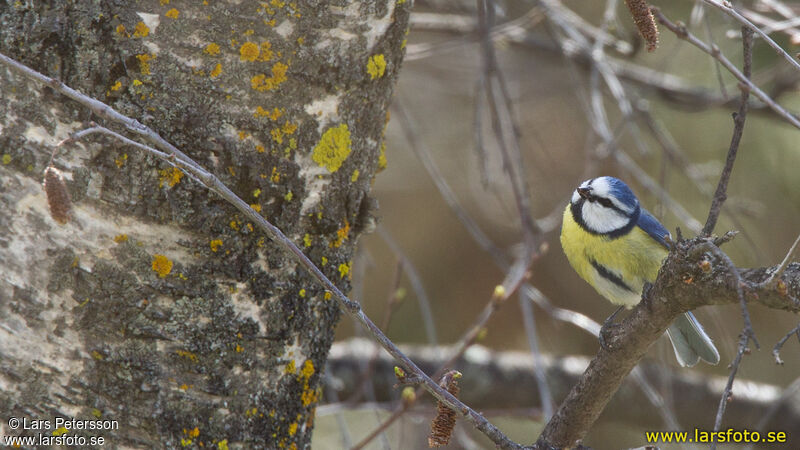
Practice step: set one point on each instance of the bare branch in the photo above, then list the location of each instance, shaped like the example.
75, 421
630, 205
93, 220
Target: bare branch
514, 384
682, 33
738, 127
728, 9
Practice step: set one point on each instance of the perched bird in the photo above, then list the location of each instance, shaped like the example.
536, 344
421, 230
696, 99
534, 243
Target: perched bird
617, 246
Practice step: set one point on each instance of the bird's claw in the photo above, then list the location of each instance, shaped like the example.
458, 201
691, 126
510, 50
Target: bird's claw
608, 332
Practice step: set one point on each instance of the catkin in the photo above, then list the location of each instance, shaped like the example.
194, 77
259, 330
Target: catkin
645, 22
442, 426
57, 195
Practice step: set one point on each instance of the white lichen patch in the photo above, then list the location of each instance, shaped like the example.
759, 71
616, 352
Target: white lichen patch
316, 180
285, 29
294, 353
152, 47
325, 110
377, 26
354, 21
151, 20
244, 305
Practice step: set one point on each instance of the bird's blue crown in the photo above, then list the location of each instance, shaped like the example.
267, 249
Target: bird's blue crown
621, 191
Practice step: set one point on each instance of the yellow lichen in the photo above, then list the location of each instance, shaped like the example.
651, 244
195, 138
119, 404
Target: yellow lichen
292, 428
6, 159
288, 197
333, 148
271, 115
308, 369
223, 444
266, 51
324, 261
163, 2
307, 240
162, 265
172, 13
248, 51
60, 431
120, 161
354, 176
382, 157
215, 245
256, 207
262, 83
277, 135
376, 66
275, 176
289, 128
256, 192
302, 293
260, 148
116, 86
243, 135
121, 30
171, 176
290, 368
141, 30
344, 269
212, 49
120, 238
137, 83
188, 355
327, 295
308, 397
216, 71
97, 355
144, 63
341, 235
239, 348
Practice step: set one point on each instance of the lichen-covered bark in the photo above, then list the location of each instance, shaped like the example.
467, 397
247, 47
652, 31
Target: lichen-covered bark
158, 306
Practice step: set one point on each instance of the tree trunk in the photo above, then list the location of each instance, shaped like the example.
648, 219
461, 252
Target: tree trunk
157, 306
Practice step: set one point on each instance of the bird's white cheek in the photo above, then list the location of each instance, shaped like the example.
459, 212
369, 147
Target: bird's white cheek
601, 219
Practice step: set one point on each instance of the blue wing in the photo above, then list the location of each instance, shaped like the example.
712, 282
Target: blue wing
653, 227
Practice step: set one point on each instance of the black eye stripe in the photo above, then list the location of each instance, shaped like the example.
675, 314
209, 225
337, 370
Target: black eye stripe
606, 203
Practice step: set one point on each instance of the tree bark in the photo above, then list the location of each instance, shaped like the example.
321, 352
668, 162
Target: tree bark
157, 306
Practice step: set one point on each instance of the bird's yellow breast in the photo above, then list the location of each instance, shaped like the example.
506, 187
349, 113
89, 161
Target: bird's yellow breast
616, 268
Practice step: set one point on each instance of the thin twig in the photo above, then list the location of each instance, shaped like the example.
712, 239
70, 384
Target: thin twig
745, 336
505, 126
728, 9
211, 182
516, 276
720, 195
682, 33
776, 351
776, 275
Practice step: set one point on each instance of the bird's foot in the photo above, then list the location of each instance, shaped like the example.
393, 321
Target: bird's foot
609, 331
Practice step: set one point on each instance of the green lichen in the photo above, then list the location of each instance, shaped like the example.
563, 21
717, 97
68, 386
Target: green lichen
333, 148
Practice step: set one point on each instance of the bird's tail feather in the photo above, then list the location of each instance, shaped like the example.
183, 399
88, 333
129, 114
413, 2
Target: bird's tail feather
690, 341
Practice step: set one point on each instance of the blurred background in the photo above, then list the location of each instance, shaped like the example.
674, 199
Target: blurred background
572, 124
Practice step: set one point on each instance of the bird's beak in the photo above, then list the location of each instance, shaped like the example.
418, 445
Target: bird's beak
584, 191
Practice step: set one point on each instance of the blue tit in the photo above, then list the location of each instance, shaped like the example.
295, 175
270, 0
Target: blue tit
617, 246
